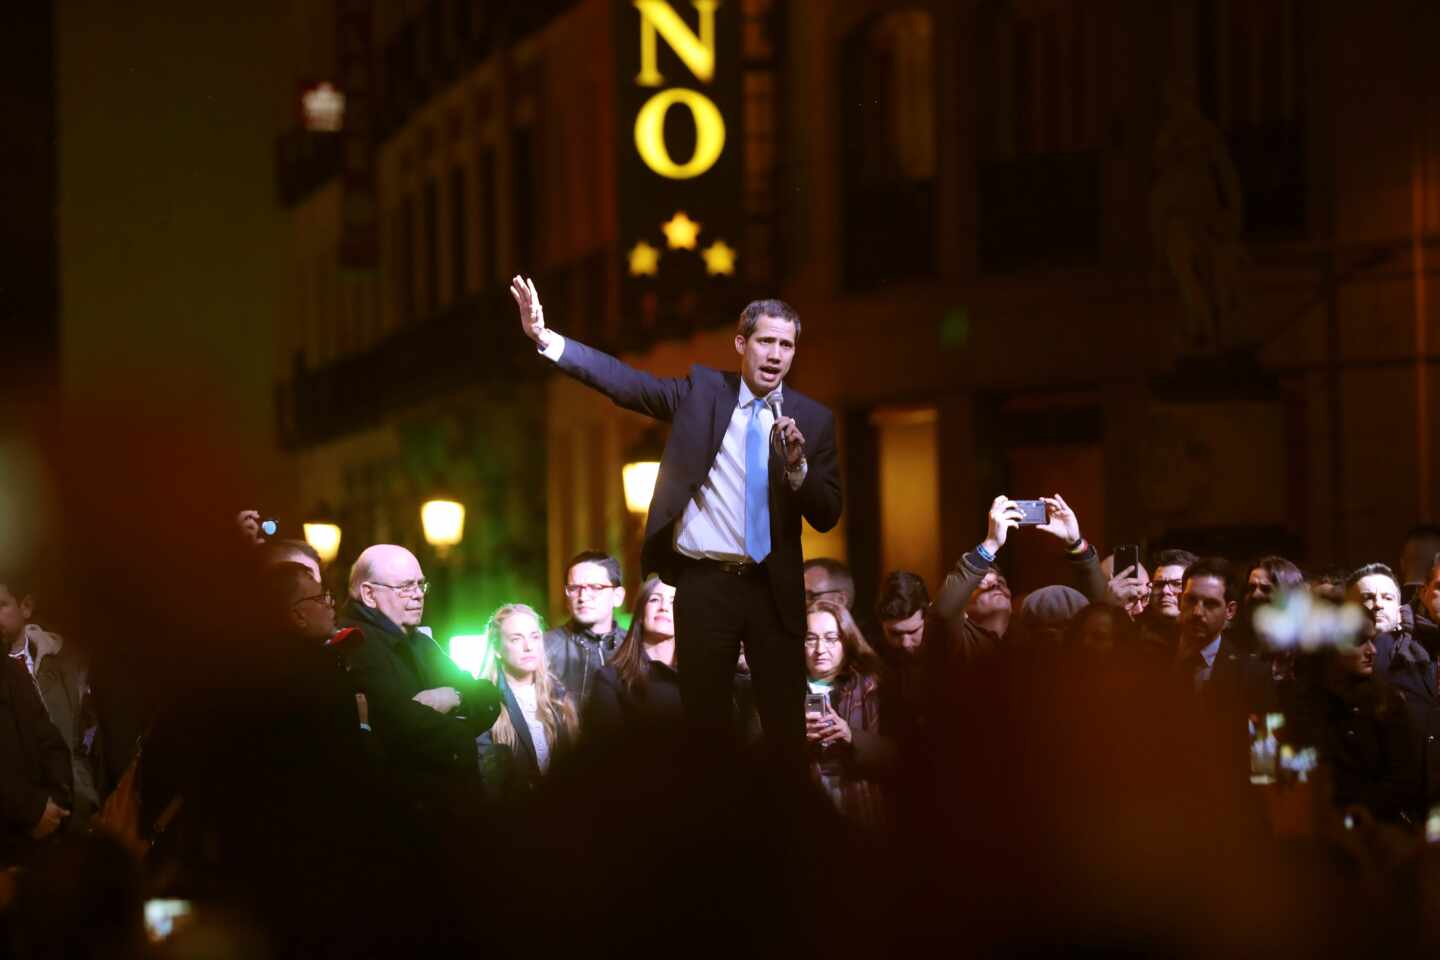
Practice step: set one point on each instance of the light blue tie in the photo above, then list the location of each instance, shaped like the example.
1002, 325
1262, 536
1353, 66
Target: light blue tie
757, 486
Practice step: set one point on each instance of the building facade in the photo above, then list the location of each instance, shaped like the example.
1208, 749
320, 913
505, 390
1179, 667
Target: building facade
1170, 260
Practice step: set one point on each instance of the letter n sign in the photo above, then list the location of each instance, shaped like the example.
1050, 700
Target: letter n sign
681, 140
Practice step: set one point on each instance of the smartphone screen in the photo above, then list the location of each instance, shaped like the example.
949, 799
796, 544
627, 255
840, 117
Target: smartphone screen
1033, 513
814, 704
1126, 556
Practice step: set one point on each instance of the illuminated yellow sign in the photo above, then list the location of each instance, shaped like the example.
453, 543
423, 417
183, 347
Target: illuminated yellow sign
680, 231
697, 51
719, 259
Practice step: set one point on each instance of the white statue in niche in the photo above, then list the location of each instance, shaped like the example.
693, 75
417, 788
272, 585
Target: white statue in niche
1197, 217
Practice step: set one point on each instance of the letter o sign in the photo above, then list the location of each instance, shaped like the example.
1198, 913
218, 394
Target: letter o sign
650, 133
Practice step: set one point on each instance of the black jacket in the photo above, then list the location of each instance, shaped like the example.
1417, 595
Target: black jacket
699, 407
390, 667
575, 655
34, 760
511, 772
1362, 733
1406, 661
653, 707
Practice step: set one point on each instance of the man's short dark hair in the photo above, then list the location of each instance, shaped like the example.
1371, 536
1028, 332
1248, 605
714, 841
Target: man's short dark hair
1370, 570
20, 583
600, 558
901, 595
280, 551
838, 572
280, 583
1217, 567
1284, 574
1335, 575
755, 309
1173, 558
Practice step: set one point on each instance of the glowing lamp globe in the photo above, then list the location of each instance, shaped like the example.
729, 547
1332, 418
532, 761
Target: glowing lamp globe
444, 523
639, 482
471, 653
325, 538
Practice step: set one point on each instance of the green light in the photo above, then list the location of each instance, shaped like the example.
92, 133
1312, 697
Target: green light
955, 328
471, 653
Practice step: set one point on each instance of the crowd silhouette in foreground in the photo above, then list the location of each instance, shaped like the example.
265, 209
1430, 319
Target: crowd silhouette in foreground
1182, 756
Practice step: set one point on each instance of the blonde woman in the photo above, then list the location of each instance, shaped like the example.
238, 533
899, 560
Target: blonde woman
537, 719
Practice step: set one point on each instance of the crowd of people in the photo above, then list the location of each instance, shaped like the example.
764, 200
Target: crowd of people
353, 739
1164, 754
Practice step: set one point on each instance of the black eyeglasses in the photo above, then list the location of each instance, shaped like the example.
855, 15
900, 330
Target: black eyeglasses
410, 588
576, 589
325, 597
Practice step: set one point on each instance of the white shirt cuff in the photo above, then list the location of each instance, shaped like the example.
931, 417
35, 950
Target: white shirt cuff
797, 476
554, 348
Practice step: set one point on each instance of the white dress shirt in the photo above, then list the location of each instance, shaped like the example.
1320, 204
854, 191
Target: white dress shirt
528, 698
1208, 654
713, 523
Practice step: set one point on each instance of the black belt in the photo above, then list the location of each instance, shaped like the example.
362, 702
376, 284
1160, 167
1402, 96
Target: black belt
736, 568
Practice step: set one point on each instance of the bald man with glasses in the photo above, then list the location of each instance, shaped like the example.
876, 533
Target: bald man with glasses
426, 711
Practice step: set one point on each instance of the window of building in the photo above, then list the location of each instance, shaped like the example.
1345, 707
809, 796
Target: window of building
1043, 70
459, 221
522, 190
1249, 68
888, 79
487, 233
431, 251
909, 465
405, 261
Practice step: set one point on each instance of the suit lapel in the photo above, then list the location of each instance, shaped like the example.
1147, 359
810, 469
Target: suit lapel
725, 399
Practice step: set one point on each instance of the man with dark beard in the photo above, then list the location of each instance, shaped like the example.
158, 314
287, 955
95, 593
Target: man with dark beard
1407, 658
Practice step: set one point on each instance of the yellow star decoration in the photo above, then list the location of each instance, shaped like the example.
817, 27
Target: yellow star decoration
644, 260
680, 231
719, 259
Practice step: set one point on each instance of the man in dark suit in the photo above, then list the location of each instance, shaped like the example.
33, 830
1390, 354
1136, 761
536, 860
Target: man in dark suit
736, 478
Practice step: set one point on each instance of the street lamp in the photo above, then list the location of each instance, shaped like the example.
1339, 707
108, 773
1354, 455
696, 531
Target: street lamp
323, 534
444, 524
641, 469
639, 481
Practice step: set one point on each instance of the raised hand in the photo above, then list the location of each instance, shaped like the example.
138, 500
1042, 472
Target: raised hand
1129, 589
1063, 522
248, 523
532, 314
1004, 516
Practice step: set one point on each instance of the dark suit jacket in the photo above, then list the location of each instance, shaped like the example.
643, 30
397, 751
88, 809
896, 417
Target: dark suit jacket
1405, 662
699, 407
390, 666
34, 760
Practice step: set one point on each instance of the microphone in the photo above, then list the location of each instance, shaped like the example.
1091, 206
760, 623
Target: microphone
773, 402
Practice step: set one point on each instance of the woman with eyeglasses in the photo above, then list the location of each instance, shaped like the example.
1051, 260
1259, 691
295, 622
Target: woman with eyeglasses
850, 755
639, 690
537, 720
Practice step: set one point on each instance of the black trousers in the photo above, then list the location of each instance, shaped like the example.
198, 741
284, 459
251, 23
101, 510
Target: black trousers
716, 613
